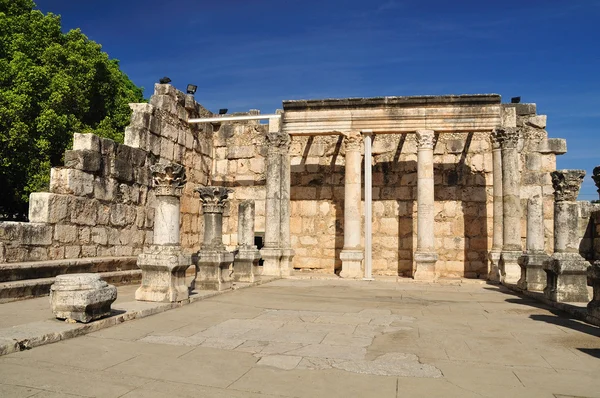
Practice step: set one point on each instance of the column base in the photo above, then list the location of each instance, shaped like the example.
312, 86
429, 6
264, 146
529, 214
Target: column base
163, 274
593, 274
287, 255
213, 270
566, 276
494, 266
245, 265
533, 276
425, 266
510, 271
271, 261
351, 264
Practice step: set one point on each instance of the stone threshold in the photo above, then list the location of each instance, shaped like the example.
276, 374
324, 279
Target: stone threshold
29, 335
576, 310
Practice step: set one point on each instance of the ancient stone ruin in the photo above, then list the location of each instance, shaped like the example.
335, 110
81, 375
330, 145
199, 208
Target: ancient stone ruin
458, 186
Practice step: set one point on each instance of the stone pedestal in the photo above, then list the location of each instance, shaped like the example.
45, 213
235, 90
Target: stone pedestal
425, 256
494, 266
533, 276
566, 271
214, 261
593, 274
163, 274
509, 267
566, 278
163, 264
271, 261
245, 266
352, 252
81, 297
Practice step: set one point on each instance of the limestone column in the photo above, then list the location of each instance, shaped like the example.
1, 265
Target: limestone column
593, 271
163, 264
213, 260
245, 266
287, 253
425, 256
511, 205
352, 252
531, 262
494, 255
566, 270
271, 252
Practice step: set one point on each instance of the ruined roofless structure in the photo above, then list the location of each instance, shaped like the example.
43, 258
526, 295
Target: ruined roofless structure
445, 182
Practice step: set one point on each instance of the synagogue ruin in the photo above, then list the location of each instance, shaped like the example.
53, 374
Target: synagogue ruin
423, 187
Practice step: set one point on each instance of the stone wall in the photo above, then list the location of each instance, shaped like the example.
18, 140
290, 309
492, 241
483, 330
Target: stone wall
100, 202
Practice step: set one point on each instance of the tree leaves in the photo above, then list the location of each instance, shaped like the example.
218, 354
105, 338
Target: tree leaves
52, 84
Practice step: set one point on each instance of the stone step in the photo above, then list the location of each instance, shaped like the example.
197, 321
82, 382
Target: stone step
47, 269
24, 289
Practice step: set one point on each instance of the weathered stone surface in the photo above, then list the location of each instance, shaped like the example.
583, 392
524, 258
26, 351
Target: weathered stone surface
593, 276
81, 297
566, 278
46, 207
241, 152
163, 274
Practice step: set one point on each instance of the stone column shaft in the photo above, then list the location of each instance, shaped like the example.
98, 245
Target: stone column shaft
510, 270
494, 255
425, 256
246, 214
245, 266
287, 253
352, 254
533, 276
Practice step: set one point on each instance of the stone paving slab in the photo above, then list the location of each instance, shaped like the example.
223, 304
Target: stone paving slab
326, 338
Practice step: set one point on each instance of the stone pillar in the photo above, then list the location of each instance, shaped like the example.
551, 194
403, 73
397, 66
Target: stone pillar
566, 269
510, 271
245, 266
352, 253
495, 253
213, 260
593, 274
271, 252
531, 262
287, 253
596, 177
425, 256
163, 264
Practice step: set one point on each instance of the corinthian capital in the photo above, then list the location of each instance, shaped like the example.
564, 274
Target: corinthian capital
213, 198
505, 137
278, 141
425, 139
352, 141
168, 178
566, 184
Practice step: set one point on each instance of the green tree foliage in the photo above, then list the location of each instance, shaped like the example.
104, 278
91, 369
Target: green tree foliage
52, 84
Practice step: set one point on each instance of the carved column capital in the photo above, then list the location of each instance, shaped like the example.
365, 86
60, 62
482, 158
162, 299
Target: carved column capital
168, 178
506, 137
278, 142
596, 177
352, 141
566, 184
425, 139
213, 198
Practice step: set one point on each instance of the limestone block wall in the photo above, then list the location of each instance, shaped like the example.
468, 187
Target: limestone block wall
101, 202
239, 163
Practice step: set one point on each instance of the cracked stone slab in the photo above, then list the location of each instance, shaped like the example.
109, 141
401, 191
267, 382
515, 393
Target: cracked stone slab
391, 364
286, 362
173, 340
331, 352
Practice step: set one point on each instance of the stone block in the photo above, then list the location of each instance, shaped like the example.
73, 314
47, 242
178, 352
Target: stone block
45, 207
163, 274
84, 211
557, 146
538, 121
36, 234
81, 297
71, 182
566, 278
241, 152
89, 161
65, 233
522, 109
455, 146
86, 142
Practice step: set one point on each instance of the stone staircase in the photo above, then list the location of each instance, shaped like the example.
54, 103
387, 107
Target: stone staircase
33, 279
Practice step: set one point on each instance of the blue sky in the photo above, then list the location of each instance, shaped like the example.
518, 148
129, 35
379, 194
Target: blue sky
246, 54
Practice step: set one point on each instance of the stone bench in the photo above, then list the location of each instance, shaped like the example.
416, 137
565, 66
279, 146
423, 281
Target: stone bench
81, 297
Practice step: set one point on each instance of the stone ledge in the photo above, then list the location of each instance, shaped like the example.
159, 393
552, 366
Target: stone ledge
30, 335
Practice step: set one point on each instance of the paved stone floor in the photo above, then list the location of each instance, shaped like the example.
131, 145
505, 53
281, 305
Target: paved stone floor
325, 338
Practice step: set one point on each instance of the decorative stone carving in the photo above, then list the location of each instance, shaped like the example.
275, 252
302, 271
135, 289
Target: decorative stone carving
353, 141
506, 137
566, 184
278, 142
213, 198
596, 177
425, 139
81, 297
168, 179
